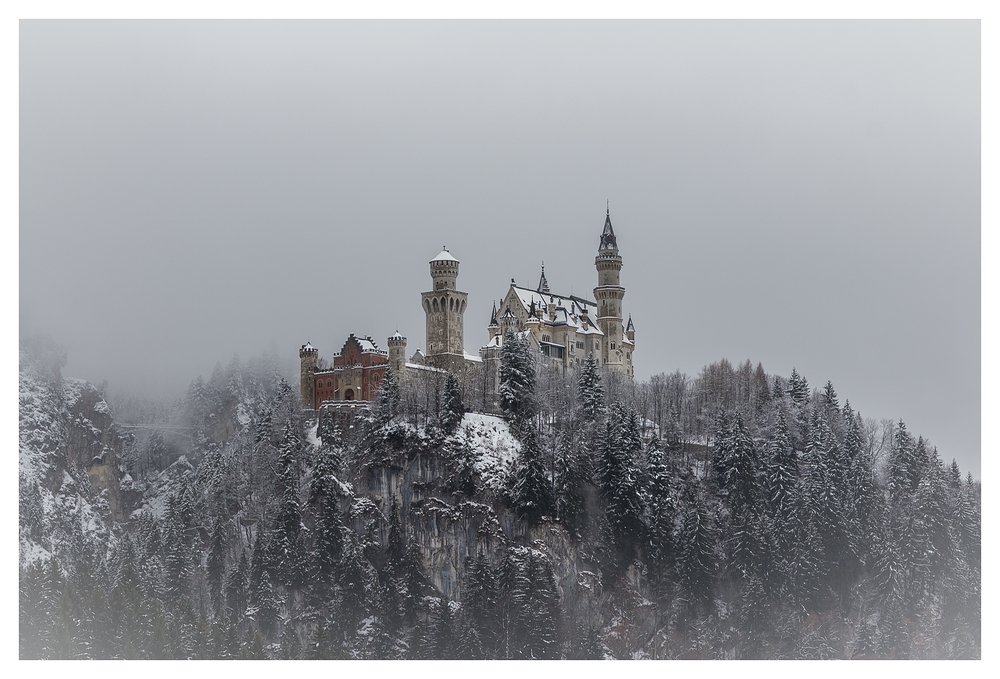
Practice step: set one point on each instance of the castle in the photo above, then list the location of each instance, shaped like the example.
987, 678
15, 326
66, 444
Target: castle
562, 330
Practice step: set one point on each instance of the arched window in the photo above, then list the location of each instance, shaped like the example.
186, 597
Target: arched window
329, 383
349, 395
435, 305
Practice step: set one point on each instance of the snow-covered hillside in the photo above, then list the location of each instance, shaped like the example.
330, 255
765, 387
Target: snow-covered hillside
71, 484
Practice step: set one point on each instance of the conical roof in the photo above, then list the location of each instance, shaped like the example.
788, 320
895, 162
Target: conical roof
444, 256
608, 240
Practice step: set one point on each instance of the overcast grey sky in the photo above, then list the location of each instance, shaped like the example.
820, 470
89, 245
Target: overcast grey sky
802, 194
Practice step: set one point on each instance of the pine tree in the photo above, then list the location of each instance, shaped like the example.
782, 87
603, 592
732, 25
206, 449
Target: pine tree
216, 563
830, 397
570, 475
328, 544
721, 451
590, 645
387, 398
442, 631
590, 390
798, 388
783, 471
517, 381
740, 469
532, 494
463, 460
661, 509
452, 409
619, 483
412, 581
352, 581
481, 603
265, 605
696, 561
288, 555
237, 588
470, 646
904, 470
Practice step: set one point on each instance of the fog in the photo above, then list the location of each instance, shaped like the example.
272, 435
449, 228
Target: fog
803, 194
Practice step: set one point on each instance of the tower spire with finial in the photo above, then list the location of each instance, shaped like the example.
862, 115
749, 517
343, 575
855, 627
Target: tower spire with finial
543, 283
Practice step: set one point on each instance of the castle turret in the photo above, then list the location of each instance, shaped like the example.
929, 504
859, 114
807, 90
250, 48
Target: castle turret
494, 327
609, 294
308, 358
533, 324
444, 307
509, 322
397, 354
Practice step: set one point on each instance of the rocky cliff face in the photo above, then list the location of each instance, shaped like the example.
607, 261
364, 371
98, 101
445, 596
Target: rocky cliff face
94, 444
72, 484
449, 528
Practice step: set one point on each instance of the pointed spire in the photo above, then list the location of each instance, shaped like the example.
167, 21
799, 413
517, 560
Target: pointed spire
543, 283
493, 316
608, 240
630, 327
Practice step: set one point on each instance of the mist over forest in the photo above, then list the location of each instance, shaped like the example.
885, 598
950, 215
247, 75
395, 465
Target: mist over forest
729, 514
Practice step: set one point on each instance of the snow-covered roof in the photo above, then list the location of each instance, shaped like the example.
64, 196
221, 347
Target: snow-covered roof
541, 300
589, 329
308, 347
474, 359
396, 335
444, 256
568, 311
367, 345
417, 366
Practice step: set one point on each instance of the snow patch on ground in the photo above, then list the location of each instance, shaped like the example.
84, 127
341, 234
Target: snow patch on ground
158, 492
312, 435
495, 446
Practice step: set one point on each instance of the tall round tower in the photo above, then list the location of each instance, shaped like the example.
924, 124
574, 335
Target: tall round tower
397, 354
609, 294
308, 358
444, 307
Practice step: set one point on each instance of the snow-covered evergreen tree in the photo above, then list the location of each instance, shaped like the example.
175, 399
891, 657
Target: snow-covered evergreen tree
517, 381
531, 494
452, 409
590, 390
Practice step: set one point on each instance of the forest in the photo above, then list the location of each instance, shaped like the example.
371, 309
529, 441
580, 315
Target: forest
732, 515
